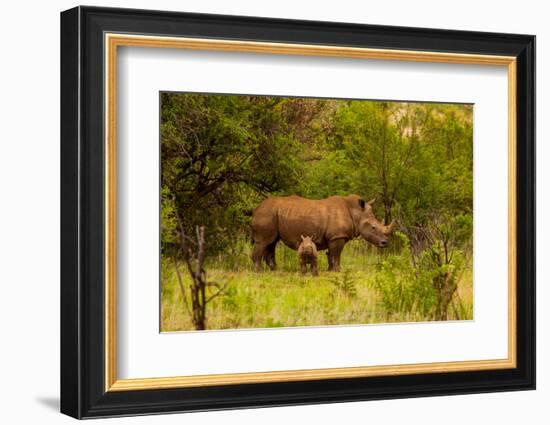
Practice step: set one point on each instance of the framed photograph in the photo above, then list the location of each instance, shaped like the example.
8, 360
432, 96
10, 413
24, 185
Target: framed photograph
261, 212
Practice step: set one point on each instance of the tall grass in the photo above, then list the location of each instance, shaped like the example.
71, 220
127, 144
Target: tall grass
286, 298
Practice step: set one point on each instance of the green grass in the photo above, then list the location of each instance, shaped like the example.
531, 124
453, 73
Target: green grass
286, 298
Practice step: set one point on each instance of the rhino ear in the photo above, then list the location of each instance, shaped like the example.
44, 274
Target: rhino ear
362, 203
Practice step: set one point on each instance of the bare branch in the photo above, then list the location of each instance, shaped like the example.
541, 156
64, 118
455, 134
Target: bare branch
182, 289
219, 292
194, 254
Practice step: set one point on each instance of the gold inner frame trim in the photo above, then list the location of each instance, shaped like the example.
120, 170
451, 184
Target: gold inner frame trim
113, 41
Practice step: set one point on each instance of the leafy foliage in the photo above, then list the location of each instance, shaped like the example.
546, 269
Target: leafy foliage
425, 281
219, 155
345, 283
402, 287
416, 158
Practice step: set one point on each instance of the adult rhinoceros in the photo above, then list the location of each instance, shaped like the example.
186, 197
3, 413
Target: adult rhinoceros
332, 222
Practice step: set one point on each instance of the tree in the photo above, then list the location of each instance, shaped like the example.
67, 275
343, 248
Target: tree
219, 155
416, 158
381, 141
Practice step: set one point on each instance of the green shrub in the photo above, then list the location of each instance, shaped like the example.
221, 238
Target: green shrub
424, 284
404, 288
345, 283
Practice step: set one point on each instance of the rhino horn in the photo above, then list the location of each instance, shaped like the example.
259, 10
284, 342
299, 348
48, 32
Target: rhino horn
389, 229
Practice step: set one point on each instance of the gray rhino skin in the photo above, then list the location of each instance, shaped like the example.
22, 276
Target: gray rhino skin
331, 222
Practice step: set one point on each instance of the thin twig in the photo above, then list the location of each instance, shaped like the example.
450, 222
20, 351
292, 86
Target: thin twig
219, 292
180, 282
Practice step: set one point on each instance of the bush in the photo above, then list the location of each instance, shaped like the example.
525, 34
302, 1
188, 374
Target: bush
421, 285
404, 289
345, 283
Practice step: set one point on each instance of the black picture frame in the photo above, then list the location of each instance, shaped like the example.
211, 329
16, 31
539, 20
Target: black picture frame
83, 392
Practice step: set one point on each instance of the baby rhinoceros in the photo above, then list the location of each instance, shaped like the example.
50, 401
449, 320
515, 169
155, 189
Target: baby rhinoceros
307, 251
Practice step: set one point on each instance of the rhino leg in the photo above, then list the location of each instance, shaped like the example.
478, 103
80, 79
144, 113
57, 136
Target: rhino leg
303, 266
259, 252
329, 259
265, 237
335, 248
314, 271
269, 256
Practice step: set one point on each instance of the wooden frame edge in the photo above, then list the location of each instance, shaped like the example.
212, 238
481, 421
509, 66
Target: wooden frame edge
110, 213
512, 212
306, 375
114, 40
